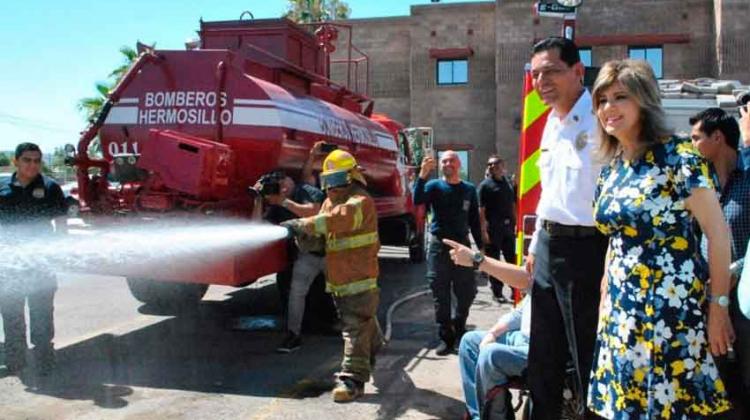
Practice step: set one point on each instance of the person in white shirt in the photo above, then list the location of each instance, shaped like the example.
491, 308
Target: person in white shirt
566, 255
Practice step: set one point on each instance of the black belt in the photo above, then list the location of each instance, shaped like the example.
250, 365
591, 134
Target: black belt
557, 229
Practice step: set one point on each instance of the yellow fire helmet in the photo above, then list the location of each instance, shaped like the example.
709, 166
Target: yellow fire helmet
339, 169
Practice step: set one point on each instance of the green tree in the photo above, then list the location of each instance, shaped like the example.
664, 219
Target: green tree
309, 11
91, 106
4, 160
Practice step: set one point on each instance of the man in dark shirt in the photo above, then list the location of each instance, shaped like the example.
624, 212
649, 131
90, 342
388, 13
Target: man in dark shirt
297, 200
716, 136
29, 203
497, 205
454, 210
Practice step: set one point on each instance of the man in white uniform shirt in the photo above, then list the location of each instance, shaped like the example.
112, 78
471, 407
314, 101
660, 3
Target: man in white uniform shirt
567, 252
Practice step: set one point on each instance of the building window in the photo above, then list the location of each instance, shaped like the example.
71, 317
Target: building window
452, 72
586, 57
653, 55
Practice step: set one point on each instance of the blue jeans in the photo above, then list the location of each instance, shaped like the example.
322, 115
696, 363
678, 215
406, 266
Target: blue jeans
482, 370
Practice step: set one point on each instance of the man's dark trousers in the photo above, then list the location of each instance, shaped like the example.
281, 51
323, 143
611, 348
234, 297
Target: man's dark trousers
40, 295
444, 276
567, 277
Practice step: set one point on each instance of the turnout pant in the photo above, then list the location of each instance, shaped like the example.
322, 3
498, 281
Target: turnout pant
444, 276
501, 242
361, 332
564, 314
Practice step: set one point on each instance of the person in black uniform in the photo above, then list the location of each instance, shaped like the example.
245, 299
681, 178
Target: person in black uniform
497, 208
454, 211
29, 203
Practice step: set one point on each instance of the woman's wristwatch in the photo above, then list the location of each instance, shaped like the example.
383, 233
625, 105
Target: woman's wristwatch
721, 300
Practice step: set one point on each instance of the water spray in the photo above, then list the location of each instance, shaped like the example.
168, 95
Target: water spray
147, 245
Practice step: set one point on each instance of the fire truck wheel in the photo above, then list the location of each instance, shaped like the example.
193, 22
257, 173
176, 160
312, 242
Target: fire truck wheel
416, 249
167, 296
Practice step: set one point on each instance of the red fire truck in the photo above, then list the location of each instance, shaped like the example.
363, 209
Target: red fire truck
185, 133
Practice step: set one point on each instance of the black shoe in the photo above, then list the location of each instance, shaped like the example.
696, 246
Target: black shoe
444, 348
292, 342
14, 368
45, 360
15, 359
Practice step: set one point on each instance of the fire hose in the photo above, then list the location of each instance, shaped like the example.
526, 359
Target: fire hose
396, 304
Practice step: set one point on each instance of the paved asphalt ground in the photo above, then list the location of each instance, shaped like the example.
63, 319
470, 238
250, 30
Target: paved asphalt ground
119, 360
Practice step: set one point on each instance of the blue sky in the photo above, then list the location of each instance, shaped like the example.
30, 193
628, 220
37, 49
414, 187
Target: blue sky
55, 51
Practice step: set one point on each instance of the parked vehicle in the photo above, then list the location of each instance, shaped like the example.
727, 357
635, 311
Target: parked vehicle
186, 132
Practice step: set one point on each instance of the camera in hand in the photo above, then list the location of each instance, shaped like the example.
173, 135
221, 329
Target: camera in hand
328, 147
270, 184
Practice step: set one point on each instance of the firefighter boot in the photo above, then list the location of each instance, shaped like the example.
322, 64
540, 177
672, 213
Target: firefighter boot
347, 389
447, 340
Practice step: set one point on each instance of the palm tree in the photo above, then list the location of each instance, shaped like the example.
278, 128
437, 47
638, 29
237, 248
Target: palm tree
129, 56
92, 105
309, 11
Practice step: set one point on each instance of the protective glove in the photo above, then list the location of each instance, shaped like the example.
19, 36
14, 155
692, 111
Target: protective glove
293, 226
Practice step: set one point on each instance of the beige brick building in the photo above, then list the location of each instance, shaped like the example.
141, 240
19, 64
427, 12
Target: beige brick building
478, 51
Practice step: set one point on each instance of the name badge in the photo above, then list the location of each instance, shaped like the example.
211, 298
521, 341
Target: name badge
467, 203
38, 193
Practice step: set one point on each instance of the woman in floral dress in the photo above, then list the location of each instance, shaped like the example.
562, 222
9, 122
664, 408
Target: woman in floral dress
653, 354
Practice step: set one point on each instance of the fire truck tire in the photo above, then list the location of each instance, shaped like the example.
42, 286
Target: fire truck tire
167, 296
417, 249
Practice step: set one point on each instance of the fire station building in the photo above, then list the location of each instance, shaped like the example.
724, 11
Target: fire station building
459, 67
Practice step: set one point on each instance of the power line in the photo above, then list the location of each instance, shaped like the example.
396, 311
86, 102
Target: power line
17, 121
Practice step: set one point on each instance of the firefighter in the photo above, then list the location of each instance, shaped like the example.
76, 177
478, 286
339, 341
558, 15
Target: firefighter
29, 203
349, 222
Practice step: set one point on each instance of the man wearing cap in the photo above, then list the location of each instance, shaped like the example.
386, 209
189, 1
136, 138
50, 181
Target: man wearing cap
349, 222
453, 203
29, 202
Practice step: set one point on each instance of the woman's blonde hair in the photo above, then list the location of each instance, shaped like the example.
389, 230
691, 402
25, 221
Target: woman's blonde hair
637, 77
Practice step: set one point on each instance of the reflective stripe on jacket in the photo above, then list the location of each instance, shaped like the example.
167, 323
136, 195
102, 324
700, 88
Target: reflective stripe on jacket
352, 243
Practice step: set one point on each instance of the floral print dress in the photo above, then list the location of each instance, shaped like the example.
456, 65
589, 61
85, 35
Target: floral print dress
652, 359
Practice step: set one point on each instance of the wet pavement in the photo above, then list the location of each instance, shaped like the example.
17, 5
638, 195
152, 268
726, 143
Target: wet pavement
119, 359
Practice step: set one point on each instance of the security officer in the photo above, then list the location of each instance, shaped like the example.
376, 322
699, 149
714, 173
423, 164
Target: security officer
29, 202
349, 222
567, 252
497, 208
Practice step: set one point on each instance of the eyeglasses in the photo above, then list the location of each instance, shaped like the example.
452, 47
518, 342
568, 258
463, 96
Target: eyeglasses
495, 163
